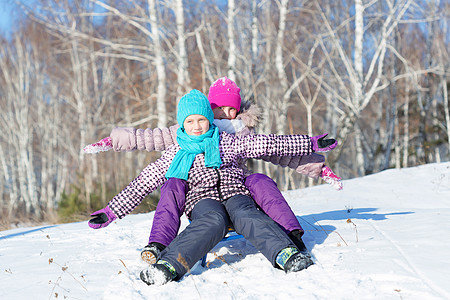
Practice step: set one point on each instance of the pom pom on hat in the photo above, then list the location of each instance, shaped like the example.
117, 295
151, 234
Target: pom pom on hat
224, 92
194, 103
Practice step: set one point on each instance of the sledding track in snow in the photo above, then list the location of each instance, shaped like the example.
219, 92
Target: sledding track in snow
424, 278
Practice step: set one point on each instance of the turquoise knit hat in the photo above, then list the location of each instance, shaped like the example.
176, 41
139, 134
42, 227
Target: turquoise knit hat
194, 103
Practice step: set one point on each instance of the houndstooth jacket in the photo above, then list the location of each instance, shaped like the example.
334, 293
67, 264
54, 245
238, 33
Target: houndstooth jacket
217, 184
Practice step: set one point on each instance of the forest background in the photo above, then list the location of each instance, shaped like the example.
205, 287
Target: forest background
372, 73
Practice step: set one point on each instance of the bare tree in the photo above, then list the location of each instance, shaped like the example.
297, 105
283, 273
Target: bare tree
231, 43
445, 59
17, 121
183, 77
159, 63
345, 67
364, 82
279, 65
406, 135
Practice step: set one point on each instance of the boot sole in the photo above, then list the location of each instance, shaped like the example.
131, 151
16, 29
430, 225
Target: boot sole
148, 257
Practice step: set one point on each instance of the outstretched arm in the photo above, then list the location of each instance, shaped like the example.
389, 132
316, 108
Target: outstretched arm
130, 139
256, 146
132, 195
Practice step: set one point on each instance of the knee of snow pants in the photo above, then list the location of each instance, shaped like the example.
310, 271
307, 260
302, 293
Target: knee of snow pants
209, 225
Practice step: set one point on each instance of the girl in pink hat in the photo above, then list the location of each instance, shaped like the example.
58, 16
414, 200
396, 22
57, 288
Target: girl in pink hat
231, 115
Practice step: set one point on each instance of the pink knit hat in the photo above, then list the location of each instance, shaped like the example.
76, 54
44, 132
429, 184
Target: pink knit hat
224, 92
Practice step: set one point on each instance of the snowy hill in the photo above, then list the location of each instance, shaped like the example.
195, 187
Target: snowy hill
385, 236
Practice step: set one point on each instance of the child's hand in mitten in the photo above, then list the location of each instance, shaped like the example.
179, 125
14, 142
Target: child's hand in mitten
328, 175
102, 145
321, 144
101, 218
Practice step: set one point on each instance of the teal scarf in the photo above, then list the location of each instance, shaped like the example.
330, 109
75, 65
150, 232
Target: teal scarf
192, 145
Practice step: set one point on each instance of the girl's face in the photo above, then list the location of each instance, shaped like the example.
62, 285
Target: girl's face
196, 125
225, 112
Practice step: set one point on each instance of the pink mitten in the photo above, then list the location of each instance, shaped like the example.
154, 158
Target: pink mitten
102, 145
331, 178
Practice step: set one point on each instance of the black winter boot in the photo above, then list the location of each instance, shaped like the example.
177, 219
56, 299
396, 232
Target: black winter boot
151, 252
156, 274
298, 262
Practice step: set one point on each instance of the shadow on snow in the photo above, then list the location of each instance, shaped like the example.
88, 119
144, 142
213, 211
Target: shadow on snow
316, 232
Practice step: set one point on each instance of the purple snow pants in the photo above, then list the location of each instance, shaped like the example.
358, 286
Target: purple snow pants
268, 197
168, 211
171, 205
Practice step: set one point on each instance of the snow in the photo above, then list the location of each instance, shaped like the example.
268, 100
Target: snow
385, 236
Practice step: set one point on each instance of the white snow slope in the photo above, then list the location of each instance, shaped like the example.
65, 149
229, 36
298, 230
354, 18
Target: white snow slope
385, 236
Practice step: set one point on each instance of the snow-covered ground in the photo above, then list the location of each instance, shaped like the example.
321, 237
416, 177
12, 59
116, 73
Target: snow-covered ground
385, 236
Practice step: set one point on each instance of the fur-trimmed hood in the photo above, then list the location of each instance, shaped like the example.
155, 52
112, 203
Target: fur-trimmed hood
250, 114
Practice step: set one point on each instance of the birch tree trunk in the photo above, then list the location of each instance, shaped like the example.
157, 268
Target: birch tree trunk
231, 43
205, 63
46, 138
443, 54
183, 79
161, 96
9, 171
357, 83
397, 142
435, 125
284, 97
446, 112
254, 28
391, 109
269, 95
405, 144
391, 118
434, 101
422, 137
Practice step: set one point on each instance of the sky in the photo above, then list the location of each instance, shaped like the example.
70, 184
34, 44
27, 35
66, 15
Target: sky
6, 16
10, 15
384, 236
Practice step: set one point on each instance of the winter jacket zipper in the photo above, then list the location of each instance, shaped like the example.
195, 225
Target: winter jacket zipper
218, 184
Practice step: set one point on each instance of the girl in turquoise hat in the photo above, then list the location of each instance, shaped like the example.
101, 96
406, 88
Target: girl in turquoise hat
217, 197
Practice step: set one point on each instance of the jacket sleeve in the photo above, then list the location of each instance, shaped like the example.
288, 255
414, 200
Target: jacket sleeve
145, 183
130, 139
307, 165
258, 145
